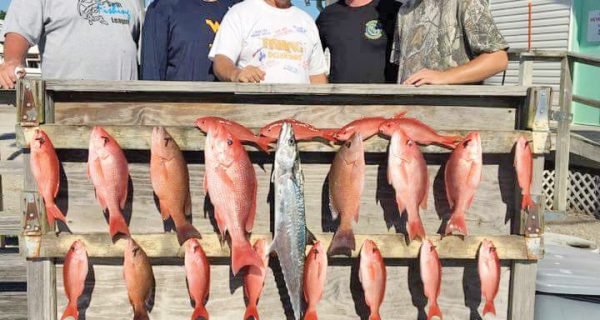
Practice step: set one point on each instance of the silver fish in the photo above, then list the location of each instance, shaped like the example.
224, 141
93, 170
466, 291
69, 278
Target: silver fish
290, 225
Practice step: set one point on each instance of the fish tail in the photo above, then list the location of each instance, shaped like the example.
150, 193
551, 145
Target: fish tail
200, 312
415, 229
434, 311
251, 312
450, 141
342, 242
117, 224
187, 231
243, 255
311, 314
71, 311
456, 224
489, 307
53, 213
328, 134
141, 314
263, 143
527, 201
375, 316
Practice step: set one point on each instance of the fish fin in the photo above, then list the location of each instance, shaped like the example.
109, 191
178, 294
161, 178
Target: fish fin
327, 134
342, 242
489, 307
450, 141
400, 114
527, 202
53, 213
310, 237
251, 214
447, 187
205, 184
401, 206
251, 312
415, 228
243, 255
200, 312
220, 223
456, 224
334, 213
164, 211
140, 314
187, 231
434, 311
263, 144
311, 314
374, 316
71, 312
117, 224
187, 210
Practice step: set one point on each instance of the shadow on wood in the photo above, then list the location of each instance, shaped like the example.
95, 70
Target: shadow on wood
415, 286
284, 297
86, 298
472, 289
442, 207
358, 295
327, 222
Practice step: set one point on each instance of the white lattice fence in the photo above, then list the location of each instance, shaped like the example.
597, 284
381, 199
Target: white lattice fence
583, 190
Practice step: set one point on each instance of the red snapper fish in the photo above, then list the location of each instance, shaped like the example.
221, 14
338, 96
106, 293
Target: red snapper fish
170, 181
139, 279
524, 165
302, 131
238, 130
197, 272
346, 184
463, 174
109, 172
254, 280
367, 126
418, 132
489, 274
431, 275
315, 273
230, 181
372, 276
46, 171
407, 173
75, 272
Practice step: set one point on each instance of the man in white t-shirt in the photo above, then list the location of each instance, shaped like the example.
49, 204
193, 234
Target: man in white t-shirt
268, 41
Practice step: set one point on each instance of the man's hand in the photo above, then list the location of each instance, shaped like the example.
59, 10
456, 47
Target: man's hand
8, 77
249, 74
426, 76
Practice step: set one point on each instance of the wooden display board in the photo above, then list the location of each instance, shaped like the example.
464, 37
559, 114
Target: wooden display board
67, 110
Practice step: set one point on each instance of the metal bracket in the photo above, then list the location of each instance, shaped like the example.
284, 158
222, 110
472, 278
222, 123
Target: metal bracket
561, 116
540, 121
31, 214
30, 106
535, 247
534, 218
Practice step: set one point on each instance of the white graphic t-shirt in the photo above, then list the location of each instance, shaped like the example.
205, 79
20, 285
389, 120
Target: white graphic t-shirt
284, 43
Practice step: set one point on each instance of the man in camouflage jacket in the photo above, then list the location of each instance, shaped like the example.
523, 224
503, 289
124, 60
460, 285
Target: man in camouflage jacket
447, 42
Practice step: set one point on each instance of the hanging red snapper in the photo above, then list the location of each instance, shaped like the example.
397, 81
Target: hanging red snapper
372, 276
236, 129
46, 171
75, 271
315, 273
524, 166
197, 272
463, 174
109, 172
302, 131
367, 126
254, 280
417, 131
230, 181
170, 181
139, 279
407, 173
489, 274
346, 184
431, 275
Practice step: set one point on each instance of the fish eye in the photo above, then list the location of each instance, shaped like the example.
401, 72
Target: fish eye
41, 140
135, 251
291, 141
348, 144
167, 140
410, 142
229, 142
105, 139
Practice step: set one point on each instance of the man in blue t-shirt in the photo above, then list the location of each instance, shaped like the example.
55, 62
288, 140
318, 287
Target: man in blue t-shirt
177, 37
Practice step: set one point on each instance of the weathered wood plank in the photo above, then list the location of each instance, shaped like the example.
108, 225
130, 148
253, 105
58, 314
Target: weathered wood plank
191, 139
255, 114
41, 289
563, 138
13, 305
99, 245
522, 283
460, 296
10, 167
12, 266
281, 89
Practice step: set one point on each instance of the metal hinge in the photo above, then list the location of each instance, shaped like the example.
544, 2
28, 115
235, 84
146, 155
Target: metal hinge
561, 116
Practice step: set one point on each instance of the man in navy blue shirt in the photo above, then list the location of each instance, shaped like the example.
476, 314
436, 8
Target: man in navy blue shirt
177, 36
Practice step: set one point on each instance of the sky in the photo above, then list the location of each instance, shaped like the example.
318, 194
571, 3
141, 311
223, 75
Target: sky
4, 4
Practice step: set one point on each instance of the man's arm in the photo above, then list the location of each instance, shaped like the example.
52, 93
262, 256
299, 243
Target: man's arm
482, 67
15, 49
226, 70
318, 79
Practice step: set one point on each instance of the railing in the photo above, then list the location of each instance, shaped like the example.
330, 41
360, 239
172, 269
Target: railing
564, 115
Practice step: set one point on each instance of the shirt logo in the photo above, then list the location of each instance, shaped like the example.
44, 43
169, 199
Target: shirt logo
214, 25
373, 30
102, 10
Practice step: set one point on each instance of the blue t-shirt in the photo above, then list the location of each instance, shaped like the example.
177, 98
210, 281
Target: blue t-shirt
177, 36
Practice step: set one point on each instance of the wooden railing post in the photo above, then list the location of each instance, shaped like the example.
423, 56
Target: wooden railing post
563, 139
525, 71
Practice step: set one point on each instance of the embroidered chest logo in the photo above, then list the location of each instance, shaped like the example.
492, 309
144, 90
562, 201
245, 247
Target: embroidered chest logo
213, 25
373, 30
103, 12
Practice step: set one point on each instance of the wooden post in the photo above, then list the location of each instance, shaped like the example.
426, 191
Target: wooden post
525, 71
563, 138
